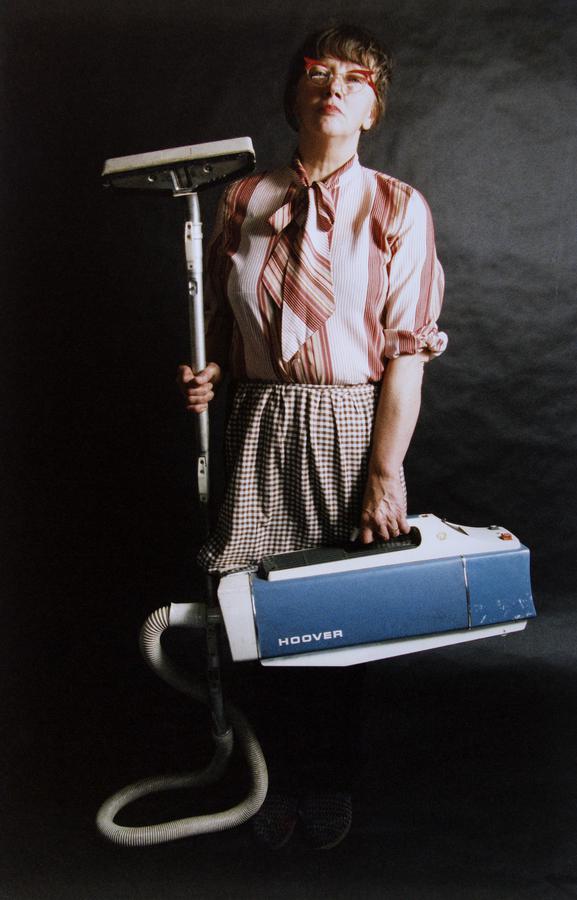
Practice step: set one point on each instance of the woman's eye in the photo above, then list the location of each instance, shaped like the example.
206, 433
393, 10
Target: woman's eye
355, 78
319, 75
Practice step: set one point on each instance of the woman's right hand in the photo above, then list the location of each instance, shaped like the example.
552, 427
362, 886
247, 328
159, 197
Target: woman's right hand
198, 390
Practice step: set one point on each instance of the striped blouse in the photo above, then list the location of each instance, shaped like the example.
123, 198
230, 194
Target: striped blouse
386, 280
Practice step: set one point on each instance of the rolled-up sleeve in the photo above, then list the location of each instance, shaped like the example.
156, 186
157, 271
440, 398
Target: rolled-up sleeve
416, 286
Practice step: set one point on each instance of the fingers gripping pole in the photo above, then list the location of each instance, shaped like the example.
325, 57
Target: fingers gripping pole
193, 250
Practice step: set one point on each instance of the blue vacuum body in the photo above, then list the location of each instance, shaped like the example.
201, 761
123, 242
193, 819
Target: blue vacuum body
442, 584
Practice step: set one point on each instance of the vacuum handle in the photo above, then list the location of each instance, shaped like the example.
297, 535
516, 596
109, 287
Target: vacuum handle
193, 250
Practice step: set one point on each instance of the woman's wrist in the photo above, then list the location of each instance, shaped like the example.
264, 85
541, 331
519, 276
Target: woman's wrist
384, 474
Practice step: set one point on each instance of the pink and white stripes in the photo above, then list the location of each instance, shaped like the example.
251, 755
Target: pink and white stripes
322, 283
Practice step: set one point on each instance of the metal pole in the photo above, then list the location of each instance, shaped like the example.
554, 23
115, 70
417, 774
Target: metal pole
193, 250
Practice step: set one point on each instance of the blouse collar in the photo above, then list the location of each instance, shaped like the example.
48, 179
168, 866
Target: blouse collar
333, 180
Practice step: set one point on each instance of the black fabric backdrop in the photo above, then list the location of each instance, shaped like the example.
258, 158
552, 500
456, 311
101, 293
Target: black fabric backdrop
98, 481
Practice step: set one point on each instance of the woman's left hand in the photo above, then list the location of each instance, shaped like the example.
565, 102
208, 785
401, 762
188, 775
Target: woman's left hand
383, 514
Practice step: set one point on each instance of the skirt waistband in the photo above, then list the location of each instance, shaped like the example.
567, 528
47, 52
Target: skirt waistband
367, 389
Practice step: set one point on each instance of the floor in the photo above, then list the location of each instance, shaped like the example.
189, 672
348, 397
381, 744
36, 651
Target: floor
465, 785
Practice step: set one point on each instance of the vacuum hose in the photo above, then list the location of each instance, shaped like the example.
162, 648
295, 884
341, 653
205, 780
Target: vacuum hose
146, 835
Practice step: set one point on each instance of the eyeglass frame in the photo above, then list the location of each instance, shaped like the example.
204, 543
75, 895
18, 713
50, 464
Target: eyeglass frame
367, 73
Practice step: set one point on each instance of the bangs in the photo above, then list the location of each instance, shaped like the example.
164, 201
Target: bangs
346, 48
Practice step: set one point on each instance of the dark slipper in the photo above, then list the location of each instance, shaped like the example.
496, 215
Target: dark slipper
326, 818
274, 823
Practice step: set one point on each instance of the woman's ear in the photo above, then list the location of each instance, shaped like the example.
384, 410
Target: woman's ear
370, 119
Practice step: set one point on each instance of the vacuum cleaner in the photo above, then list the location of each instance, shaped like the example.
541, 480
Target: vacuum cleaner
440, 584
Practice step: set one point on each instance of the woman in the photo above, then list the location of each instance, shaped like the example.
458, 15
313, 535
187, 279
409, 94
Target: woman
323, 292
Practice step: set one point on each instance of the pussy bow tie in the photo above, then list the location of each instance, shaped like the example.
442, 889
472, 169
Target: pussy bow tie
304, 198
298, 274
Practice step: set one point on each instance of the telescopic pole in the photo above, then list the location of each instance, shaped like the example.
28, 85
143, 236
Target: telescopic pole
193, 250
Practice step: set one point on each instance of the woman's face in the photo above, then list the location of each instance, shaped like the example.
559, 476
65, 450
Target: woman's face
331, 111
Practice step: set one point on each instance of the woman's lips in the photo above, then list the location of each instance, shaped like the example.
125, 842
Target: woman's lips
330, 109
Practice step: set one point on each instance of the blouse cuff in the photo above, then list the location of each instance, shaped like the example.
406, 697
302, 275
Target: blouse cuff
429, 338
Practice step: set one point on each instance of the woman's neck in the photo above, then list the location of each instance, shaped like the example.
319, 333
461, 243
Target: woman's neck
321, 159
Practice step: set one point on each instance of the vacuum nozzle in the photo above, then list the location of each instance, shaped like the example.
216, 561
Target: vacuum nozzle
182, 170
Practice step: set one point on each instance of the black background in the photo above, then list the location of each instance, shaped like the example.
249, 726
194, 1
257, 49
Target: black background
469, 752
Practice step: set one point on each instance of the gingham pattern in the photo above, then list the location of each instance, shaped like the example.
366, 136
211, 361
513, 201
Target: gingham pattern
296, 459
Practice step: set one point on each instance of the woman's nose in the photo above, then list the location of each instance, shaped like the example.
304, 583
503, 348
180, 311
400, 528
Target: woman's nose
335, 86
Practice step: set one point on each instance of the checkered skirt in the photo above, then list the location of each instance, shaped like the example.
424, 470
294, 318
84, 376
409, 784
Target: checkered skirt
296, 459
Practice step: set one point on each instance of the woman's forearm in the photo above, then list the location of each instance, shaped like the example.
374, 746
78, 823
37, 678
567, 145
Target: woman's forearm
397, 414
384, 513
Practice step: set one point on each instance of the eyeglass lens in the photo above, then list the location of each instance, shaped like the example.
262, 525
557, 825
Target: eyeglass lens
351, 81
